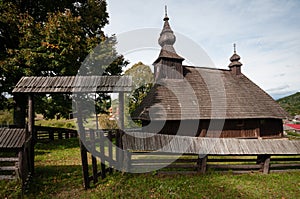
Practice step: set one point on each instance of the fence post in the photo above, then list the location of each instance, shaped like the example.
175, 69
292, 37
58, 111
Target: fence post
127, 161
266, 168
110, 153
85, 166
264, 161
202, 162
102, 154
51, 134
94, 160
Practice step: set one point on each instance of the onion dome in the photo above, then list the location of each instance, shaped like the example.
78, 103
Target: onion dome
235, 59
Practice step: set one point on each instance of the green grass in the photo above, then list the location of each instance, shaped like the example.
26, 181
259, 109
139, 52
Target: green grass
58, 175
62, 123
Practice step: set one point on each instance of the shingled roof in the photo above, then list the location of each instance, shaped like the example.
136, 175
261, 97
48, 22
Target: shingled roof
12, 138
207, 93
70, 84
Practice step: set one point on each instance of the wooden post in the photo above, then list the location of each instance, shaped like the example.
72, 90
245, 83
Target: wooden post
94, 160
110, 151
120, 151
51, 135
85, 166
20, 168
121, 110
102, 155
31, 130
127, 161
60, 136
266, 168
202, 162
83, 150
121, 123
264, 161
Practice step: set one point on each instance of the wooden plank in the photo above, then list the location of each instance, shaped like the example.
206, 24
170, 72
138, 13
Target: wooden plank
231, 160
283, 170
176, 172
167, 160
8, 168
182, 166
285, 165
211, 146
7, 177
9, 159
233, 166
285, 159
238, 171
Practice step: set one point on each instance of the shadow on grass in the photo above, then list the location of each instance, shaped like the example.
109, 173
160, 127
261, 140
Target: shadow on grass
58, 144
50, 180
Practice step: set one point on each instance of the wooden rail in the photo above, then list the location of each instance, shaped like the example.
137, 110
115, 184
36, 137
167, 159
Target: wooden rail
167, 163
51, 133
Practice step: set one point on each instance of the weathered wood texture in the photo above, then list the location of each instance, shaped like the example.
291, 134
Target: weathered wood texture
228, 128
207, 93
51, 133
73, 84
98, 143
12, 138
162, 162
210, 146
16, 156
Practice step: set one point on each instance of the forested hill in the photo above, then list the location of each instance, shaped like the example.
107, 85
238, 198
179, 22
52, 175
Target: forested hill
291, 103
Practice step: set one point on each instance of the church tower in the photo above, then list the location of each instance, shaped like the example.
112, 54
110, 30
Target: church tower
168, 65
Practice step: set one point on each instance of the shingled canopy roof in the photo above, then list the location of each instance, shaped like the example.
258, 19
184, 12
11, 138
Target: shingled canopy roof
12, 138
73, 84
217, 93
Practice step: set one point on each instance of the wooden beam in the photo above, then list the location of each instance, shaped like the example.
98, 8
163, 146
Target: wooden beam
31, 131
121, 110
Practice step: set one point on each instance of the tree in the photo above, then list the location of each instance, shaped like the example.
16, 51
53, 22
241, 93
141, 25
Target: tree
51, 38
142, 80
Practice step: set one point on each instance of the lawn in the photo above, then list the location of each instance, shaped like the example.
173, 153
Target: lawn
58, 175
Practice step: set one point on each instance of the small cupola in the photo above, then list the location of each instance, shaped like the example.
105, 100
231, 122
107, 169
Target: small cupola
168, 65
235, 65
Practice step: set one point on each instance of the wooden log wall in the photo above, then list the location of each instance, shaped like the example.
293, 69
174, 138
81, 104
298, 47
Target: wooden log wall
16, 164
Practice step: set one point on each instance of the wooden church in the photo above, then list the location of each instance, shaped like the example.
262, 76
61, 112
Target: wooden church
206, 102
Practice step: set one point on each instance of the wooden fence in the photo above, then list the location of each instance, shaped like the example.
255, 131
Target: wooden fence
237, 155
51, 133
104, 153
168, 163
137, 154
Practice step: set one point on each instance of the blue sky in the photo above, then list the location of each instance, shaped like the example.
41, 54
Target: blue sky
267, 34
